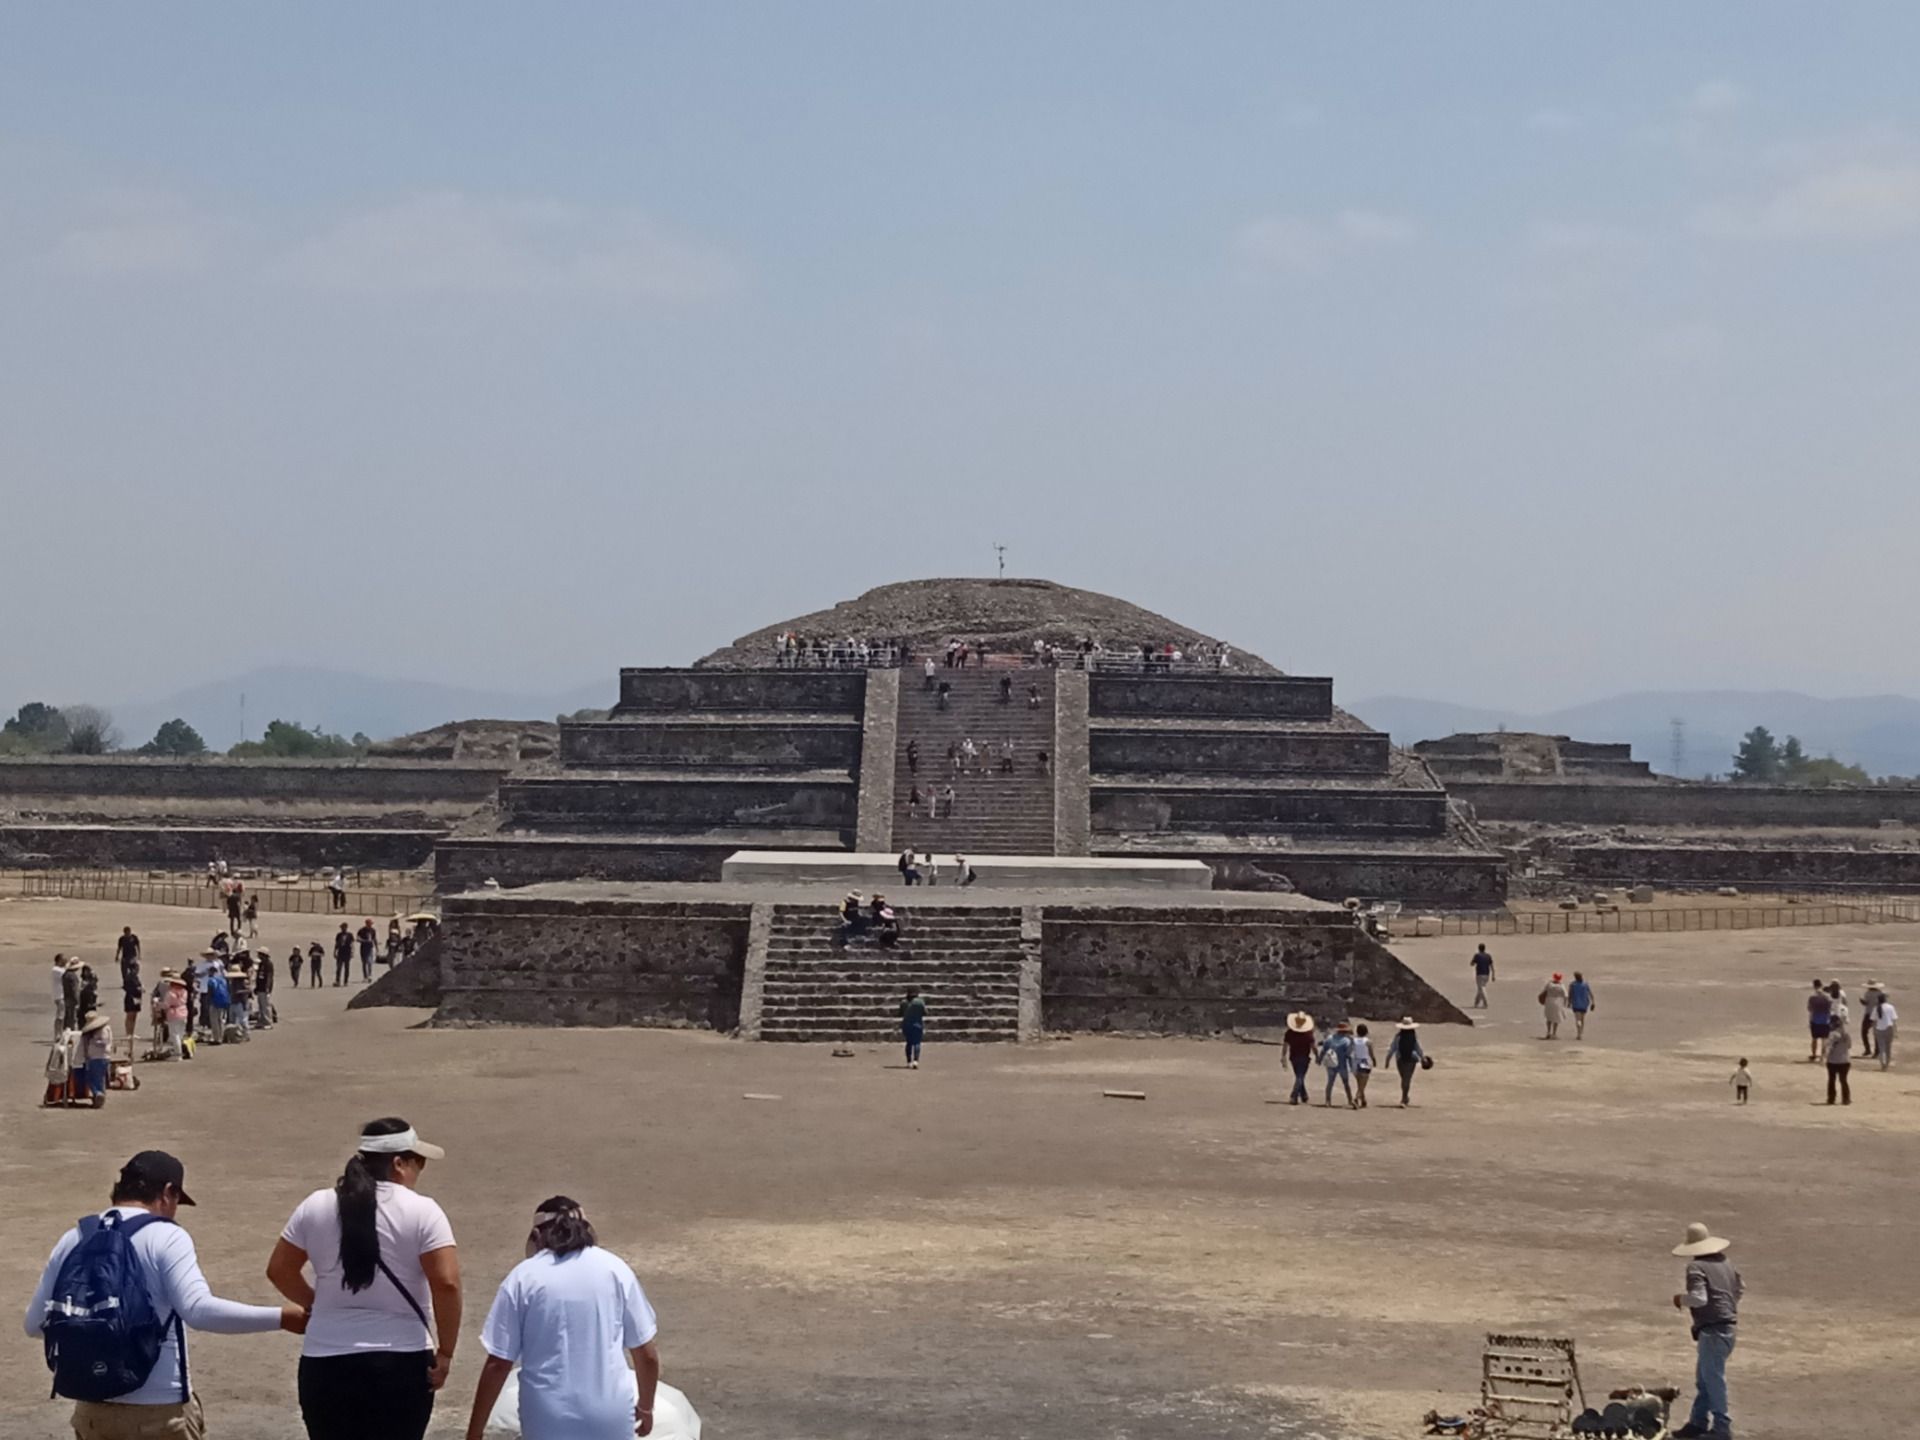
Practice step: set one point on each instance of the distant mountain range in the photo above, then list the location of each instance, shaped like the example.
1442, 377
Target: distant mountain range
1880, 733
341, 703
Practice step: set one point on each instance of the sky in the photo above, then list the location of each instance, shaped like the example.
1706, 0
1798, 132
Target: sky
1506, 354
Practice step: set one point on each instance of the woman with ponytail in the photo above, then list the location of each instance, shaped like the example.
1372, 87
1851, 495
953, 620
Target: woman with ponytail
570, 1315
382, 1257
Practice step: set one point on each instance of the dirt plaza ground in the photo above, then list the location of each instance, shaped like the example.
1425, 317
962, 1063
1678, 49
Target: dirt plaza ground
988, 1248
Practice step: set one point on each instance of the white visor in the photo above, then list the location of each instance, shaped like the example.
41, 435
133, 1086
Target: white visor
407, 1142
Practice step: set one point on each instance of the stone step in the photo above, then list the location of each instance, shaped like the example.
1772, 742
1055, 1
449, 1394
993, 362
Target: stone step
810, 1035
882, 1010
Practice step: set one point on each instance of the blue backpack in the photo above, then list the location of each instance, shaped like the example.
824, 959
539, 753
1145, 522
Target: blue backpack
217, 994
102, 1336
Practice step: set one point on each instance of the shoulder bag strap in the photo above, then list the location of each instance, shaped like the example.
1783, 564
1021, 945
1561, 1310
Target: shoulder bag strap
405, 1294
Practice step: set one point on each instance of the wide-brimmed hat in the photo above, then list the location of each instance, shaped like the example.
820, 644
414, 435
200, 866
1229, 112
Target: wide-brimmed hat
1406, 1023
234, 972
1700, 1241
166, 974
212, 955
74, 963
93, 1023
1300, 1020
1873, 984
406, 1142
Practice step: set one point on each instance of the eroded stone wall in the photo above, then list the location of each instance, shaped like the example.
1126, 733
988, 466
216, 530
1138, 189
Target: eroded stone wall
1186, 751
189, 847
1223, 695
365, 781
801, 691
1681, 803
736, 744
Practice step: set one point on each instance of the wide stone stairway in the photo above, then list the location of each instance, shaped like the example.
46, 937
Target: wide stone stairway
994, 813
965, 960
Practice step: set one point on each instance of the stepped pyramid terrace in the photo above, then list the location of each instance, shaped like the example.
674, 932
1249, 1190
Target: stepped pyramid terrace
1150, 813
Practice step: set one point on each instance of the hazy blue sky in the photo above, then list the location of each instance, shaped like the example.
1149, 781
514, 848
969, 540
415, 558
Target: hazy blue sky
1513, 353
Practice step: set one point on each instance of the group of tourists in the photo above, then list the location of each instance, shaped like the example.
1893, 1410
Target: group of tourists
923, 868
370, 1276
1345, 1053
793, 651
1830, 1033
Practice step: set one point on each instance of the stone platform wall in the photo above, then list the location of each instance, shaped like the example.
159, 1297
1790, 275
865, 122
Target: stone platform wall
577, 804
464, 864
1685, 867
1187, 750
1442, 881
758, 745
367, 782
189, 846
1289, 697
798, 691
586, 963
1681, 803
1150, 809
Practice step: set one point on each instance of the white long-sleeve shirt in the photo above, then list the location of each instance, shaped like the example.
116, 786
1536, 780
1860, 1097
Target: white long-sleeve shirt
175, 1285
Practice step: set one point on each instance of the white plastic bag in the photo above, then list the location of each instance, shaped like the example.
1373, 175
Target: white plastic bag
674, 1417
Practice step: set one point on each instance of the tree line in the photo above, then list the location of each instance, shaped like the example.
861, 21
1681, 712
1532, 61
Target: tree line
41, 729
1765, 760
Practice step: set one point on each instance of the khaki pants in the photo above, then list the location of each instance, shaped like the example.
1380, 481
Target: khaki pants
139, 1422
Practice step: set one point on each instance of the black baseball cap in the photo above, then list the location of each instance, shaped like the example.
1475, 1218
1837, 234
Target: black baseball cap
156, 1168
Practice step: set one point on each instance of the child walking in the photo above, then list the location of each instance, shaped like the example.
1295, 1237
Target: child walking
1742, 1082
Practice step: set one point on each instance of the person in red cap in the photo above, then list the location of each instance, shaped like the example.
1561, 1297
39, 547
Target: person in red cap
151, 1391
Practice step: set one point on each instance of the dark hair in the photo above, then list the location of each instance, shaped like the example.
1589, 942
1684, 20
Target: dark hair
137, 1191
354, 1192
561, 1227
1361, 1028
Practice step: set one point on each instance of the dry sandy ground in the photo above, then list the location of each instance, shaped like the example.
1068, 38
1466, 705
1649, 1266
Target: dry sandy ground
987, 1248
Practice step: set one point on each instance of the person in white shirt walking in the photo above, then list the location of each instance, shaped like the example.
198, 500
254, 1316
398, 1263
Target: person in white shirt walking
381, 1255
145, 1201
1886, 1023
570, 1315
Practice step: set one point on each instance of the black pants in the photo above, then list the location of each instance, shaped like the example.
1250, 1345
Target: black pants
378, 1396
342, 969
1837, 1075
1407, 1069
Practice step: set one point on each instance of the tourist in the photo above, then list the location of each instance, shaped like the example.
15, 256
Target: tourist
1870, 999
1406, 1056
1742, 1082
213, 874
153, 1394
382, 1254
342, 955
1580, 1001
96, 1049
949, 802
929, 672
1006, 756
396, 937
337, 889
1033, 697
60, 995
570, 1315
953, 755
1553, 1001
263, 989
70, 994
240, 998
315, 954
1839, 1056
913, 802
1299, 1044
1886, 1024
1336, 1058
231, 889
964, 874
913, 1026
969, 756
216, 1000
1819, 1021
1362, 1065
1041, 759
179, 1015
132, 992
251, 915
904, 864
853, 920
1482, 977
1006, 689
913, 753
944, 692
931, 864
1839, 1014
1712, 1303
887, 928
368, 937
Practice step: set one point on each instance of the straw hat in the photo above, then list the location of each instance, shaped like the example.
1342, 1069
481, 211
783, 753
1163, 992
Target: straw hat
1406, 1023
93, 1023
234, 972
1300, 1020
74, 963
1699, 1242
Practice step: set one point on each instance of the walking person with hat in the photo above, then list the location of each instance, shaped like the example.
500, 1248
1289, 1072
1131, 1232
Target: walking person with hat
1870, 999
381, 1255
1406, 1056
91, 1056
1886, 1024
1300, 1047
129, 1377
1553, 1003
1712, 1303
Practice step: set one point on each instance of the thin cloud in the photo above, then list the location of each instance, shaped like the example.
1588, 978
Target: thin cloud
134, 232
1582, 237
1299, 243
1552, 122
1716, 97
1861, 201
447, 242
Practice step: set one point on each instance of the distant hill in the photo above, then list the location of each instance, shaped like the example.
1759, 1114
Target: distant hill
1880, 733
340, 702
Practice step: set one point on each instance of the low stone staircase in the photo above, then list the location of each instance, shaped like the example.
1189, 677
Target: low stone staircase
994, 813
964, 959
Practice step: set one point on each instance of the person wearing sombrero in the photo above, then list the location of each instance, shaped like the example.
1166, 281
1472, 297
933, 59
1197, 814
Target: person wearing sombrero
1300, 1044
1712, 1303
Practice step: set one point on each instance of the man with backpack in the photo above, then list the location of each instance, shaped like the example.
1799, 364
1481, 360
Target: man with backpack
114, 1303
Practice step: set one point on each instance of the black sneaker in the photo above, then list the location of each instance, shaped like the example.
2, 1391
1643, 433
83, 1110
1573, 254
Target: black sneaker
1691, 1431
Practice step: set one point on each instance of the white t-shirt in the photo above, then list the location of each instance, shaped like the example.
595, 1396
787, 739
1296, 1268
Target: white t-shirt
174, 1284
378, 1317
1363, 1052
568, 1322
1887, 1016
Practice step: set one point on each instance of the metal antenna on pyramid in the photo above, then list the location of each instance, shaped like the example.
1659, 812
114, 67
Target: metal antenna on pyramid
1000, 553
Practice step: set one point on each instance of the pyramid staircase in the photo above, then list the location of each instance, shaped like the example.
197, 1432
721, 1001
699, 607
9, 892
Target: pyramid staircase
994, 813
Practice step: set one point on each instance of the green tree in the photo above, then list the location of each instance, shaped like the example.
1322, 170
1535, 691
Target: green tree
1758, 757
1793, 758
175, 737
37, 728
1829, 771
290, 740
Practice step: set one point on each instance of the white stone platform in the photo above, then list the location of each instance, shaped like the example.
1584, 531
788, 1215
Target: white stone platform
819, 868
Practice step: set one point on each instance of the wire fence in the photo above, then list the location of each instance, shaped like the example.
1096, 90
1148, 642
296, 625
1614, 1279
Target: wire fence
121, 889
1668, 920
